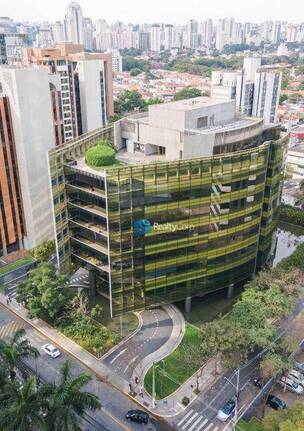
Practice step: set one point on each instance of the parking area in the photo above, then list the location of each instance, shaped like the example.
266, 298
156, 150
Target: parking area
288, 397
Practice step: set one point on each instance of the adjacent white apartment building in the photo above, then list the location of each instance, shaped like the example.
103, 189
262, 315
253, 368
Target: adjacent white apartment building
28, 91
255, 88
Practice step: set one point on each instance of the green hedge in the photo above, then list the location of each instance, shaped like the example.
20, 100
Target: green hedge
100, 155
290, 214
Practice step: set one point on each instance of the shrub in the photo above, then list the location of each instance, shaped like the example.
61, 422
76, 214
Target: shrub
185, 401
100, 155
292, 215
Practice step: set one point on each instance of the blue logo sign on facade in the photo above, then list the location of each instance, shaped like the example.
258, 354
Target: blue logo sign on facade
141, 227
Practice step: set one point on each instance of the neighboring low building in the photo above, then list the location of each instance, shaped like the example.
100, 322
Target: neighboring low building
189, 207
295, 161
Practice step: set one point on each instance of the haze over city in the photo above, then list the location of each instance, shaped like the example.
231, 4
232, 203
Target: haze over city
138, 11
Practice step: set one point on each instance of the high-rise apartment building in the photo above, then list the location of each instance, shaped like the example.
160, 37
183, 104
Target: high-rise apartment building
192, 34
156, 38
88, 30
85, 101
144, 41
168, 36
27, 134
191, 210
74, 23
255, 88
12, 227
116, 60
58, 32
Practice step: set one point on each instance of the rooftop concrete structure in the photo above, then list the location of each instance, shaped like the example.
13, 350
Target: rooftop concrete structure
184, 129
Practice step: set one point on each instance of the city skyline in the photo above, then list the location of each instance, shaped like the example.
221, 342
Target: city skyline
133, 12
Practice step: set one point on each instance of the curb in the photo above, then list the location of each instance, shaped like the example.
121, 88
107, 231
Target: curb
124, 340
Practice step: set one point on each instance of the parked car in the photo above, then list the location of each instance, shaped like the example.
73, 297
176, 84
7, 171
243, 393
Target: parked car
51, 350
299, 366
137, 416
296, 376
226, 411
291, 386
276, 403
257, 382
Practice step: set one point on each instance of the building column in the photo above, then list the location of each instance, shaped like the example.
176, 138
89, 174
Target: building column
188, 304
92, 279
230, 291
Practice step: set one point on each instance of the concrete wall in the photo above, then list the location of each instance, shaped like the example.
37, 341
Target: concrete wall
30, 102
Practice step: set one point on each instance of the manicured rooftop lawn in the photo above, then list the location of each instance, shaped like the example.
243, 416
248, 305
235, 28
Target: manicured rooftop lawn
173, 370
15, 265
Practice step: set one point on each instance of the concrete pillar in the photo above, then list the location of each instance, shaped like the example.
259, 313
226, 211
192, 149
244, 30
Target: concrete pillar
230, 291
92, 279
188, 304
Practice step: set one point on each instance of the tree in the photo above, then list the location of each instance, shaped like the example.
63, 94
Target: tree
154, 101
271, 365
195, 354
135, 71
128, 101
44, 292
21, 406
14, 350
187, 93
67, 402
291, 419
44, 251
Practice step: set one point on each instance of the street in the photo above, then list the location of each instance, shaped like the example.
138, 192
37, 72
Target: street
114, 404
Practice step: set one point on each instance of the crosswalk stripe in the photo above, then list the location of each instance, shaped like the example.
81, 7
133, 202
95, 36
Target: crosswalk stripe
216, 428
195, 423
185, 417
209, 426
10, 328
189, 421
202, 425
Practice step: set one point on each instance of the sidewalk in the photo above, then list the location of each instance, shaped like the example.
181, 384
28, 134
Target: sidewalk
165, 408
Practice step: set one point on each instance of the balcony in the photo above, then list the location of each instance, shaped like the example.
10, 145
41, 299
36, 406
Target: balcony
86, 188
87, 259
93, 227
91, 244
93, 209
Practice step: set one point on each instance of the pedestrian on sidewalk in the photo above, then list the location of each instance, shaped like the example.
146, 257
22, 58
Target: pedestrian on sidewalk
141, 391
7, 300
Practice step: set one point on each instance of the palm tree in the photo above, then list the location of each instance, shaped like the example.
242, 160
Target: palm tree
14, 350
21, 406
67, 403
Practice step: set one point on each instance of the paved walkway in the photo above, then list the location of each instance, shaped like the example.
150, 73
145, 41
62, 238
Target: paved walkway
170, 318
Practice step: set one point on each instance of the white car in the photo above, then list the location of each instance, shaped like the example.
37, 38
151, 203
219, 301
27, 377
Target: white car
296, 376
51, 350
291, 385
226, 411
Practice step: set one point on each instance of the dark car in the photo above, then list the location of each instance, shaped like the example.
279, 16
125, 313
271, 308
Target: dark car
226, 411
137, 416
276, 403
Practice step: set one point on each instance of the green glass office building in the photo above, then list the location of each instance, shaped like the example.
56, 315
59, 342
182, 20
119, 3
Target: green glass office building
167, 230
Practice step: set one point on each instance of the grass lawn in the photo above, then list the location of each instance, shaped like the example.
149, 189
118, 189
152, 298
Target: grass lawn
253, 425
15, 265
123, 325
207, 308
173, 371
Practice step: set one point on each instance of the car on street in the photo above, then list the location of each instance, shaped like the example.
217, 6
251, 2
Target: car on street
51, 350
291, 385
276, 403
137, 416
226, 411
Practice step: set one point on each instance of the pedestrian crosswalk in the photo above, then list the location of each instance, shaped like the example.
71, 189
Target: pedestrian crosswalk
11, 327
193, 421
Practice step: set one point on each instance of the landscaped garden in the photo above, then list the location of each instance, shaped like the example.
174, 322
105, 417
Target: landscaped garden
46, 296
16, 265
101, 156
268, 297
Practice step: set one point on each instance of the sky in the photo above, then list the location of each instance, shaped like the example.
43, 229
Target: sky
171, 11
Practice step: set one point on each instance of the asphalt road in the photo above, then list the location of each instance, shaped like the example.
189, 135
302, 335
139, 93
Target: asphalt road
114, 404
155, 331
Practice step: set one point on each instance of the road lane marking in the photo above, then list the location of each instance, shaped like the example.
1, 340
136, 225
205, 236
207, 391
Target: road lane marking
130, 363
208, 427
117, 356
195, 423
184, 427
202, 425
11, 327
185, 417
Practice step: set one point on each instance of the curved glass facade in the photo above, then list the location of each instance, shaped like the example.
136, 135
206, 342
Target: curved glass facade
170, 230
